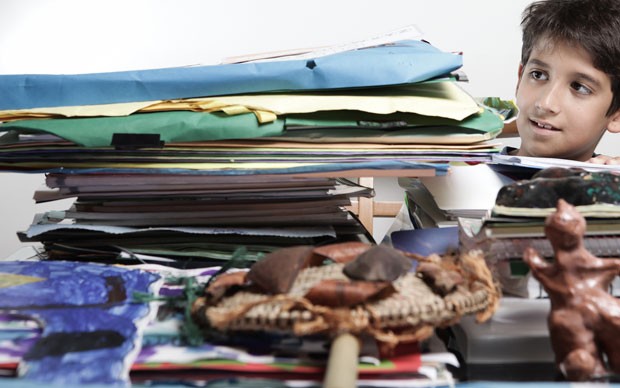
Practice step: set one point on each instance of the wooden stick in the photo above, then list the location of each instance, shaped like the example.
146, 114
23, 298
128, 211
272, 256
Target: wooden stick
342, 363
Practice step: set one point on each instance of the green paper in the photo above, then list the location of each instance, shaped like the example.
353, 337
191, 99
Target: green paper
175, 126
405, 124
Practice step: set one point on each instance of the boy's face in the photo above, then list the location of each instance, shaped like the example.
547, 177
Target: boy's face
563, 100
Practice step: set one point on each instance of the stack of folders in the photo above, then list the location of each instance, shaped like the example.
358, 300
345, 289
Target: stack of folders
180, 219
403, 110
176, 163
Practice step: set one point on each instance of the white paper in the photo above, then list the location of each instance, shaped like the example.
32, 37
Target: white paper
466, 187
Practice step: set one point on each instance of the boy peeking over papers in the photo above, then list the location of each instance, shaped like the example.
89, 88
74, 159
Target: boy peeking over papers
568, 91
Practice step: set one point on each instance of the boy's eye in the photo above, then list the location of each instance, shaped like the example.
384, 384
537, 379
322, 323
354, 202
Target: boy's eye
538, 75
580, 88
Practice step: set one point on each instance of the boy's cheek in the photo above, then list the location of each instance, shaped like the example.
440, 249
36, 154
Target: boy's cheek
519, 76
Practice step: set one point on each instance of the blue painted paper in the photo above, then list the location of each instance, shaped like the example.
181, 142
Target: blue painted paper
399, 63
427, 241
89, 320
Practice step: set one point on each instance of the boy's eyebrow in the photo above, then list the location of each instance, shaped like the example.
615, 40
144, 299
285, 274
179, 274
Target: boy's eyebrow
537, 62
588, 79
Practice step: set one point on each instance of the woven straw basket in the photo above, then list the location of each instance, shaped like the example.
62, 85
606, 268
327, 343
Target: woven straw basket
409, 314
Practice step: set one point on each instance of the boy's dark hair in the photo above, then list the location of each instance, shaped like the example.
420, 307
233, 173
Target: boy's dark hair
591, 24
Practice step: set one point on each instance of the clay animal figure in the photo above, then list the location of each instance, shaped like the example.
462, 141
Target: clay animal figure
584, 321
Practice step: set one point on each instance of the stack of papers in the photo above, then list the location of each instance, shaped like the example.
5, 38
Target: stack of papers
402, 110
178, 219
253, 146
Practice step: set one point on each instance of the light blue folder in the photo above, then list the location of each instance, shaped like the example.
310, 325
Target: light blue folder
399, 63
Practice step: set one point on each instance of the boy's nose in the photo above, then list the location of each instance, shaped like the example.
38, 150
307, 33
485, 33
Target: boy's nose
549, 100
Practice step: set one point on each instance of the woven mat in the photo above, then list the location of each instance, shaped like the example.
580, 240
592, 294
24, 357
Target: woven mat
410, 313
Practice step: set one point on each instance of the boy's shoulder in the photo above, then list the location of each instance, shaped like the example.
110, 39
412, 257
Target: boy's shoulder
507, 150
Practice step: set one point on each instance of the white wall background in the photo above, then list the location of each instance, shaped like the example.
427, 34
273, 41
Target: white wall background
76, 36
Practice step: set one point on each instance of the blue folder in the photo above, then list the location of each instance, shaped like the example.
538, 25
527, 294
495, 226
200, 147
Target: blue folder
398, 63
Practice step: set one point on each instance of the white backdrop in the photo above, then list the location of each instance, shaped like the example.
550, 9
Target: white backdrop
76, 36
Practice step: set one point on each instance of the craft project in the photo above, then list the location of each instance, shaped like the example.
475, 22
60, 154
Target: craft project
349, 289
584, 321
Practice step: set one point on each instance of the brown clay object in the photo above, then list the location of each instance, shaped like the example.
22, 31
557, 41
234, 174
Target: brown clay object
379, 263
584, 321
277, 271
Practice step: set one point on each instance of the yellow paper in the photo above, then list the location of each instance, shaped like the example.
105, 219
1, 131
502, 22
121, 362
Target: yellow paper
440, 99
12, 280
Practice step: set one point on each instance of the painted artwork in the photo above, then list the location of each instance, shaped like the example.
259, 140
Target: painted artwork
89, 324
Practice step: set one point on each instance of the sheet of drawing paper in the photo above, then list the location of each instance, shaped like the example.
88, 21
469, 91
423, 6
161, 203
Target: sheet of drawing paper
398, 63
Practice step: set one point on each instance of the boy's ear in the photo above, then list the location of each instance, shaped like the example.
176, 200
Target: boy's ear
614, 122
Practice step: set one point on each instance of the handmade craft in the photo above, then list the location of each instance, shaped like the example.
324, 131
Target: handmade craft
584, 320
346, 290
575, 185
